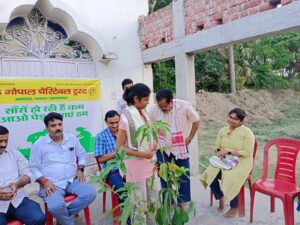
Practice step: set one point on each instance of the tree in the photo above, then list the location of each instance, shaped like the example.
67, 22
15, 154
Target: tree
209, 71
164, 75
157, 4
232, 70
271, 62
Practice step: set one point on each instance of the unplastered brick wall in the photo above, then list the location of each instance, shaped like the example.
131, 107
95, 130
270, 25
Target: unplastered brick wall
157, 27
204, 14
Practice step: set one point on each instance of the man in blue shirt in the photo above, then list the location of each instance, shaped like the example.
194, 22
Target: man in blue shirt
105, 148
57, 162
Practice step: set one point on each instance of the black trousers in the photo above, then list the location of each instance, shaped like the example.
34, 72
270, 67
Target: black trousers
216, 190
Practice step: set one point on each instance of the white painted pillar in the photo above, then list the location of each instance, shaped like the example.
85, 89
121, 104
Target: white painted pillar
185, 76
148, 79
185, 89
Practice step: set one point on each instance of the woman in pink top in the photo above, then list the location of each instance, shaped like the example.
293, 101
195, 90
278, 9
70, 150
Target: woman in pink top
139, 169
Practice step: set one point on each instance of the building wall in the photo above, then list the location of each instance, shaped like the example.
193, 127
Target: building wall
112, 24
198, 15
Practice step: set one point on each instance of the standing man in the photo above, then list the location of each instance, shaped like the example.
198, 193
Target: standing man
121, 105
184, 122
57, 162
14, 175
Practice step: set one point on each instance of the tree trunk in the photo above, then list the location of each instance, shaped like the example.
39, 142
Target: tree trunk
232, 71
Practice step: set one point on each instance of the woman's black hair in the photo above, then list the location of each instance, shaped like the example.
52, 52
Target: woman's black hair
164, 94
240, 114
51, 117
140, 90
110, 114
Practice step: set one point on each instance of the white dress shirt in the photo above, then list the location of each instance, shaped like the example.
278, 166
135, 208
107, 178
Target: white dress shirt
13, 167
57, 162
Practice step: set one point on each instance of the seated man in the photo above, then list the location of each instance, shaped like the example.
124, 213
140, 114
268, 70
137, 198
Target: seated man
105, 148
53, 161
15, 174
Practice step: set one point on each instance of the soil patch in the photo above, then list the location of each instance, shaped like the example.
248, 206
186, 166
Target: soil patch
264, 106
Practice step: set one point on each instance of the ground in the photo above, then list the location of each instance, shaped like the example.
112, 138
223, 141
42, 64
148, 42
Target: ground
204, 214
271, 114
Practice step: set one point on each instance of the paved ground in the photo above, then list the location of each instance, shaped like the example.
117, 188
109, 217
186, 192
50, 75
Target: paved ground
205, 215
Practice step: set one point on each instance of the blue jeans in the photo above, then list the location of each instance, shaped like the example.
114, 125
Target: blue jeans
86, 194
29, 212
185, 185
216, 190
116, 181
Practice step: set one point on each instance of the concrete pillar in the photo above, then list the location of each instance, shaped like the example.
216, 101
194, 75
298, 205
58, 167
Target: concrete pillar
185, 89
148, 79
185, 75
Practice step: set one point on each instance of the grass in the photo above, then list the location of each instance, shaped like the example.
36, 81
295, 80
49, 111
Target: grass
287, 126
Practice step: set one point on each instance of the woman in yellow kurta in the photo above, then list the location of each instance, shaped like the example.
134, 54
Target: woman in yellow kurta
237, 140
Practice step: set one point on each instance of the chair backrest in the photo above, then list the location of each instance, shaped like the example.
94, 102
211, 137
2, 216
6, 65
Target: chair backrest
99, 164
254, 155
14, 222
255, 149
287, 152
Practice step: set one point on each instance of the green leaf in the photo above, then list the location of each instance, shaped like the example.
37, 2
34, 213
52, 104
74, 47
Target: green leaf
126, 212
123, 168
151, 207
159, 217
138, 132
163, 171
152, 178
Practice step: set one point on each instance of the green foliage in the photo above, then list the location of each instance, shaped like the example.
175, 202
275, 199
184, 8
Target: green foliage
157, 4
272, 62
209, 70
161, 212
296, 83
164, 75
265, 78
150, 131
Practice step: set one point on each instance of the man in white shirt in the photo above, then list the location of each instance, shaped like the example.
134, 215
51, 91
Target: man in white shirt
14, 175
57, 162
121, 105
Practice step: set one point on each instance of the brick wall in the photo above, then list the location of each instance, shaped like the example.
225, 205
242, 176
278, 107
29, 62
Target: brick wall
204, 14
157, 28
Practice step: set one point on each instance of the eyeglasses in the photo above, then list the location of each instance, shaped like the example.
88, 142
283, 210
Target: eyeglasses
233, 118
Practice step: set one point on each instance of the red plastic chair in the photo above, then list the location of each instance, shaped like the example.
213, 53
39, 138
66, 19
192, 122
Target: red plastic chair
14, 222
114, 200
241, 196
283, 186
68, 198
